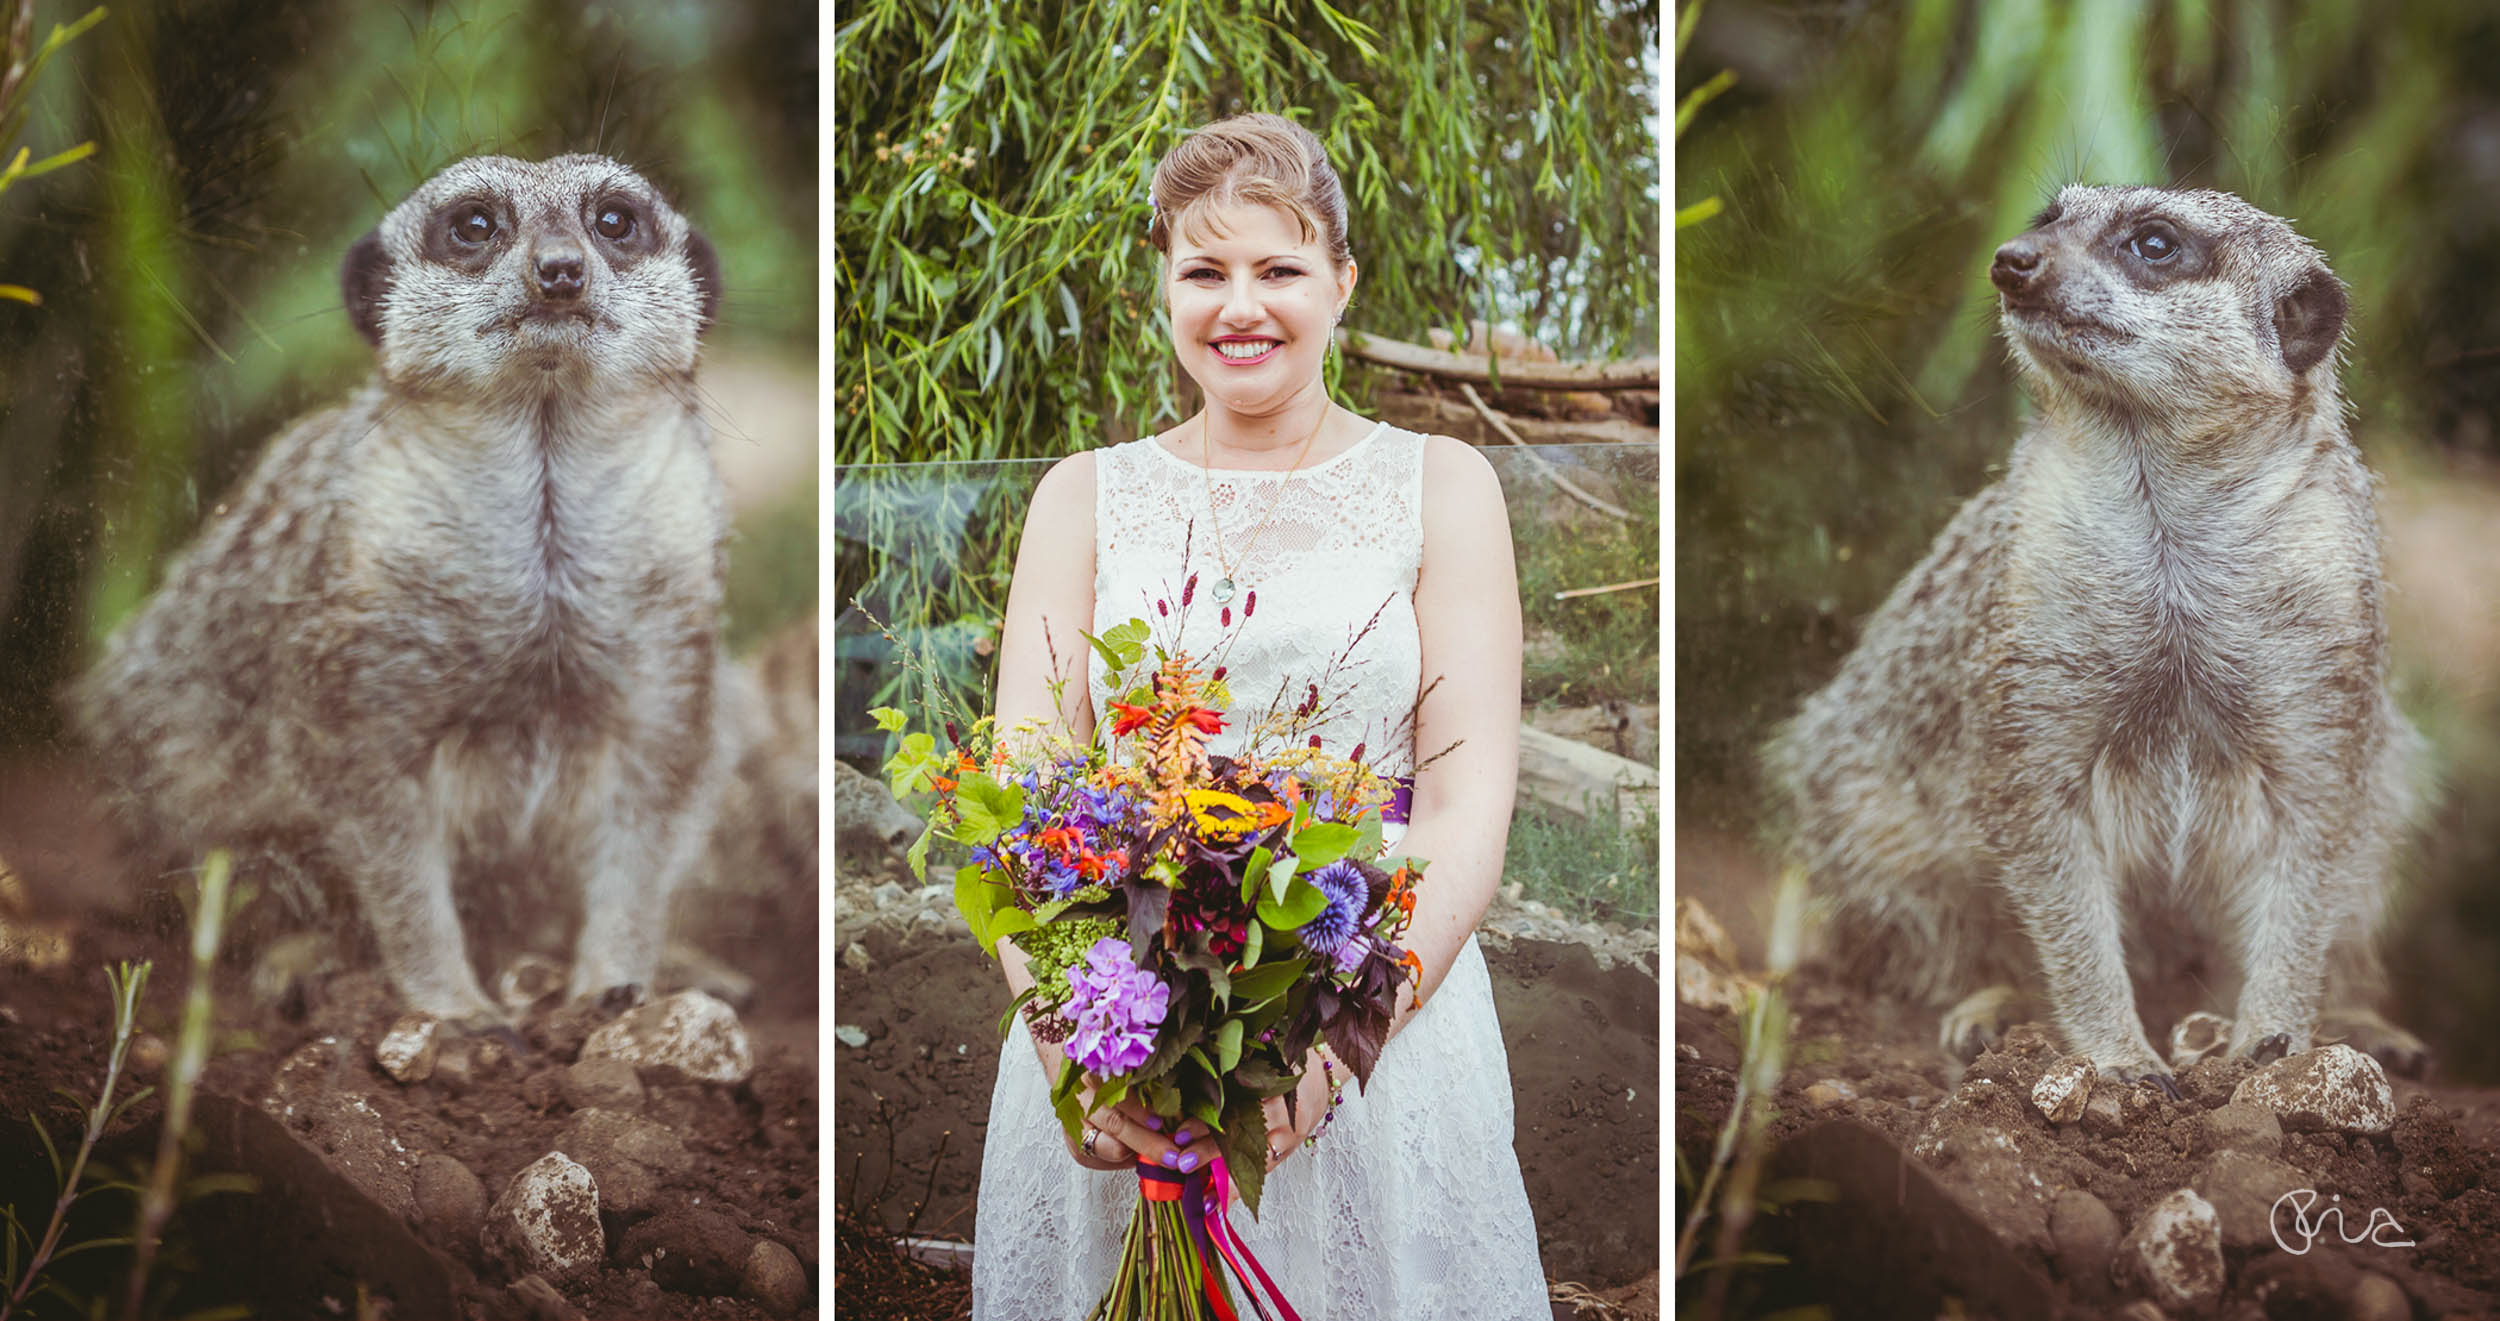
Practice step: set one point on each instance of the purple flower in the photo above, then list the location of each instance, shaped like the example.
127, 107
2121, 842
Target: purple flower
1116, 1006
1347, 894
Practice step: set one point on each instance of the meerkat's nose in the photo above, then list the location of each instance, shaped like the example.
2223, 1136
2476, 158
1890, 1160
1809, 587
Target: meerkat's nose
558, 270
2017, 263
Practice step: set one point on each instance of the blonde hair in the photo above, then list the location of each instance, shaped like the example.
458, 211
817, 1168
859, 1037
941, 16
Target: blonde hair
1263, 160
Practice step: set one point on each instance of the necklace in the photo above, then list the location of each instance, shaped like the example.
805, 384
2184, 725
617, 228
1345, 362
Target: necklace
1225, 588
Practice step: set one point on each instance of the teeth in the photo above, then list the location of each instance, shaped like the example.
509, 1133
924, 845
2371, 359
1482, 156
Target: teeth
1237, 348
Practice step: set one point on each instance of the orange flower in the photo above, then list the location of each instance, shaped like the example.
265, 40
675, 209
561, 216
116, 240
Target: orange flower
1414, 966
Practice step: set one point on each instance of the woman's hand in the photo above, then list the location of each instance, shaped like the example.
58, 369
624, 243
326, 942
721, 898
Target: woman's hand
1128, 1132
1285, 1134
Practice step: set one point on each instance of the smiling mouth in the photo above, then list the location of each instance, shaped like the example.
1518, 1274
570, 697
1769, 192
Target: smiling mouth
1246, 350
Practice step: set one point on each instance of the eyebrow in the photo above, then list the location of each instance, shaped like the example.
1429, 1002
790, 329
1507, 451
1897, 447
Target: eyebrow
1295, 258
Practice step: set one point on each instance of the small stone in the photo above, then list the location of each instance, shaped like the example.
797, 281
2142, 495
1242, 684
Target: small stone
2175, 1250
2243, 1188
451, 1203
850, 1036
2245, 1126
613, 1132
774, 1278
541, 1300
888, 895
2334, 1087
489, 1057
455, 1065
407, 1050
2377, 1298
528, 979
1830, 1094
2197, 1036
2105, 1114
689, 1031
2084, 1232
2142, 1309
2064, 1091
543, 1090
547, 1220
147, 1054
855, 957
602, 1084
691, 1251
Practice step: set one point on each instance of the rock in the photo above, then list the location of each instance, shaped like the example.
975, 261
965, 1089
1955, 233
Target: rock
528, 979
541, 1091
541, 1300
455, 1065
850, 1036
864, 812
602, 1084
2245, 1126
2197, 1036
626, 1154
774, 1278
2064, 1091
148, 1053
855, 957
888, 895
2105, 1114
2142, 1309
2377, 1298
2334, 1087
2243, 1188
690, 1032
2083, 1233
547, 1220
691, 1251
2175, 1250
406, 1051
1830, 1094
451, 1203
345, 1127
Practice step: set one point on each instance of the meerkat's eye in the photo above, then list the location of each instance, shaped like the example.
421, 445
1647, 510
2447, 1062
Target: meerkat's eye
615, 222
473, 224
2154, 244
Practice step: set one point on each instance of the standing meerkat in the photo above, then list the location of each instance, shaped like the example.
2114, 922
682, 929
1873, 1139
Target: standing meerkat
466, 626
2133, 703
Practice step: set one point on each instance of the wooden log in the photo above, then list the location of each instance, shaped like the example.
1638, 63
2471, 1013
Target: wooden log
1627, 374
1435, 415
1571, 778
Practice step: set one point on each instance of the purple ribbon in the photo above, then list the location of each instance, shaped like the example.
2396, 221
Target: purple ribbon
1207, 1213
1400, 802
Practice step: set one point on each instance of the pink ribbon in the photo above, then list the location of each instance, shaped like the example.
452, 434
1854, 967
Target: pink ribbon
1236, 1253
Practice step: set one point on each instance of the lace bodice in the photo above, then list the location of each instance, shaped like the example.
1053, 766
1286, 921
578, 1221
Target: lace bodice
1340, 551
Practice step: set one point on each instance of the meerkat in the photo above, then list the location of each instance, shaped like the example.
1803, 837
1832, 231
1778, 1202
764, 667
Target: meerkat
2133, 703
466, 625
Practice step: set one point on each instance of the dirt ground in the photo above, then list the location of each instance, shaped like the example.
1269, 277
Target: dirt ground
912, 1098
369, 1192
1955, 1197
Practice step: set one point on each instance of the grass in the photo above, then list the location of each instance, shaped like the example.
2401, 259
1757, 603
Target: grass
1590, 648
1589, 871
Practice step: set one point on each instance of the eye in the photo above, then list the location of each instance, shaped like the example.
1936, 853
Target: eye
1207, 271
615, 222
2048, 216
1282, 272
473, 224
2154, 244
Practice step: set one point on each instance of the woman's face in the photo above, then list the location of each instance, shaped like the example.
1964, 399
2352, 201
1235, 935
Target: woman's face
1253, 305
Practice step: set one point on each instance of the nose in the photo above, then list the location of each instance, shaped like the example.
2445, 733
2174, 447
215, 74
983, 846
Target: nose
557, 266
2017, 265
1241, 302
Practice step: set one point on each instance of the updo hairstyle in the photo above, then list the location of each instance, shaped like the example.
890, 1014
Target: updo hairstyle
1261, 160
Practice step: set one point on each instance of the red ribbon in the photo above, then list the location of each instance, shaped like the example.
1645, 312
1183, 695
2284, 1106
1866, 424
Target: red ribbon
1205, 1196
1237, 1254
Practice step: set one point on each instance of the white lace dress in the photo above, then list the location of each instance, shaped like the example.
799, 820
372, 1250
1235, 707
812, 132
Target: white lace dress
1411, 1205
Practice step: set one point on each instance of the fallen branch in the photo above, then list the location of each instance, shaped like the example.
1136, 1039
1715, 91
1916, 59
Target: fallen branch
1601, 591
1496, 421
1627, 374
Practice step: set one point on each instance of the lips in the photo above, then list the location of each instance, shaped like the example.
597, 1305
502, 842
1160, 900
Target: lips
1246, 352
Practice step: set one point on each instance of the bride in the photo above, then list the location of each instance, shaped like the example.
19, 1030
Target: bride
1309, 530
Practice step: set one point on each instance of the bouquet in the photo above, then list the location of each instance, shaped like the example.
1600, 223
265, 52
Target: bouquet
1194, 922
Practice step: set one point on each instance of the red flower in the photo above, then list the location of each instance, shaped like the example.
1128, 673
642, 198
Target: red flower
1207, 722
1131, 717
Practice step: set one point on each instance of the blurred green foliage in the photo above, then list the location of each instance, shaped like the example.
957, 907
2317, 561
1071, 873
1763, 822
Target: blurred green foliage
190, 270
1839, 387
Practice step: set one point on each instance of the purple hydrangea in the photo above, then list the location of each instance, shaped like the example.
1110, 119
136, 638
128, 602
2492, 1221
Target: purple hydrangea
1347, 895
1116, 1006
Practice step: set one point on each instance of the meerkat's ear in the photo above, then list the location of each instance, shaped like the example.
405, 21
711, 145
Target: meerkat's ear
2307, 320
706, 264
364, 278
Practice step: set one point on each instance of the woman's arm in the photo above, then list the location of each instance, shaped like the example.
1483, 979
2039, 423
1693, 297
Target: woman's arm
1467, 613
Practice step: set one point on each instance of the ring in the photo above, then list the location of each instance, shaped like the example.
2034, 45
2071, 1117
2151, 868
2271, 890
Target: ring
1091, 1133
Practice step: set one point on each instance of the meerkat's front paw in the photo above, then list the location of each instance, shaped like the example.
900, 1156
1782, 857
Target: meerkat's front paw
2398, 1051
1978, 1022
2196, 1036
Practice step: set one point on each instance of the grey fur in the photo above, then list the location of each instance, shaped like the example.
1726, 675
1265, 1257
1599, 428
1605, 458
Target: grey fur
2133, 702
465, 626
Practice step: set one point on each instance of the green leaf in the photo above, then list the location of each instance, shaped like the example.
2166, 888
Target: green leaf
1252, 942
1104, 649
1007, 922
1228, 1046
918, 857
1023, 998
1302, 902
1280, 874
977, 897
887, 718
1321, 844
1259, 985
988, 809
1367, 836
1255, 871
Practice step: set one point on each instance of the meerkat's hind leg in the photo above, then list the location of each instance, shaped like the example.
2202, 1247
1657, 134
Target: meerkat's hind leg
402, 879
1978, 1021
2366, 1030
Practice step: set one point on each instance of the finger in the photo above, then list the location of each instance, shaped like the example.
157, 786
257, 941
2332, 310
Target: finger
1141, 1132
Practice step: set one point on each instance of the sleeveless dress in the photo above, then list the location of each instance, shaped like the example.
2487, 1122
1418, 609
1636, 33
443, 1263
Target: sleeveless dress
1411, 1204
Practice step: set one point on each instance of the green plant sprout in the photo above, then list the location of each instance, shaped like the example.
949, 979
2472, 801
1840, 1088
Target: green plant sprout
25, 1278
17, 76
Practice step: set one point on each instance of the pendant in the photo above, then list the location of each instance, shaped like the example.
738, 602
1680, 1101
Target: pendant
1223, 591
